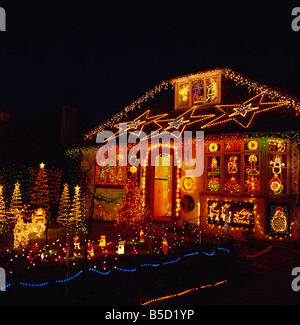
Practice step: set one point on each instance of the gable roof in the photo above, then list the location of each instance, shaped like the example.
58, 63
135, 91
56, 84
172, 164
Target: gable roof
238, 112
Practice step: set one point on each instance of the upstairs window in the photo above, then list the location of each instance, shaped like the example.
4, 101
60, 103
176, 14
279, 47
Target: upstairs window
198, 92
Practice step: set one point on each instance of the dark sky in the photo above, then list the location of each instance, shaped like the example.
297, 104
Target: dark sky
108, 53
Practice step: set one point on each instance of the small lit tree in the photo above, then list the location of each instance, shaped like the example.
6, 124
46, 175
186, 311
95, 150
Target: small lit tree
78, 214
133, 214
40, 192
64, 210
2, 205
16, 200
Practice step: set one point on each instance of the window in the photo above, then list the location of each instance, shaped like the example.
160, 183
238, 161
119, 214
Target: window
232, 173
252, 173
213, 173
277, 167
198, 92
184, 95
236, 166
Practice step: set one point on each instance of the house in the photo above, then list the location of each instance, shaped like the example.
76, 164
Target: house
250, 180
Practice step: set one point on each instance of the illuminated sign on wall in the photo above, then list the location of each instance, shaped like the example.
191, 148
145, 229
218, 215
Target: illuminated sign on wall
236, 214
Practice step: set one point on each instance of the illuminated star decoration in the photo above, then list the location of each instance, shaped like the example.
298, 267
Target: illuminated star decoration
136, 126
182, 121
244, 113
42, 165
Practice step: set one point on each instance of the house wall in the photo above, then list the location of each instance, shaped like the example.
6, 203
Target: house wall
108, 199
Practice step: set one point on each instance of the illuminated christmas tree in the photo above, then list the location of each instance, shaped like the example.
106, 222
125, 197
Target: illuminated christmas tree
77, 209
133, 214
64, 211
16, 201
40, 192
2, 205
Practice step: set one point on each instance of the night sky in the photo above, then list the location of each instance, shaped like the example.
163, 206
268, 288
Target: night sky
107, 54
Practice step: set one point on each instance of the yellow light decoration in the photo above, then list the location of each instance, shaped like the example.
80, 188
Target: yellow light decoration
213, 147
102, 241
253, 145
133, 169
121, 248
188, 184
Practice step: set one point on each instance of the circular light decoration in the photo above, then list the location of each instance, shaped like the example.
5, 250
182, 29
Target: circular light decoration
133, 169
188, 184
213, 147
253, 145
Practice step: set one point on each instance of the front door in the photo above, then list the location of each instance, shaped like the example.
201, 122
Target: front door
163, 187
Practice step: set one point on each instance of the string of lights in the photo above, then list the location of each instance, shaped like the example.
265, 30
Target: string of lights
239, 79
41, 284
183, 292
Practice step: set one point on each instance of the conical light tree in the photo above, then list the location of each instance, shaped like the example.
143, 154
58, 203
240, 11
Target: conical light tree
65, 217
40, 193
2, 205
78, 211
16, 200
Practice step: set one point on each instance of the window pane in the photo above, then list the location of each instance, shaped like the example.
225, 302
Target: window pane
198, 92
211, 89
252, 173
213, 174
232, 173
184, 95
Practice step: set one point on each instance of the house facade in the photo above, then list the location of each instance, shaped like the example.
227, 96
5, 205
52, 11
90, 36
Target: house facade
250, 179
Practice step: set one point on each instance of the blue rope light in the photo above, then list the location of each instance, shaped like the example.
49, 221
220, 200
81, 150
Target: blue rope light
109, 271
224, 249
68, 279
170, 262
209, 254
102, 273
191, 254
33, 284
4, 287
150, 265
125, 270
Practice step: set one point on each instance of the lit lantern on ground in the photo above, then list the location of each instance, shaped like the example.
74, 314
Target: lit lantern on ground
142, 236
76, 242
102, 241
165, 246
121, 247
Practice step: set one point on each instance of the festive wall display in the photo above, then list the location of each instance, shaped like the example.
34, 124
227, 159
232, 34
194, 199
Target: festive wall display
252, 183
279, 218
238, 214
213, 174
232, 185
110, 175
275, 183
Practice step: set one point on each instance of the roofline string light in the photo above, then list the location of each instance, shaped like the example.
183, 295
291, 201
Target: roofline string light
238, 78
